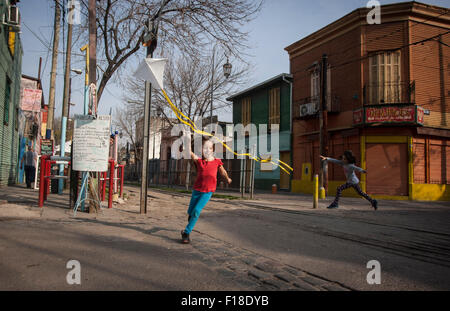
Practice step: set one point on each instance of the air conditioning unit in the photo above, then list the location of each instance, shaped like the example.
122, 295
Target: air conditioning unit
309, 109
13, 15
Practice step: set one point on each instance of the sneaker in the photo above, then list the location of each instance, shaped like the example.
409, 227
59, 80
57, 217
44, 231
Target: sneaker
333, 206
185, 238
375, 204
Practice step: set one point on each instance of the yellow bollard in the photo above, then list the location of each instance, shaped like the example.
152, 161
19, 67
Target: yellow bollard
322, 193
316, 191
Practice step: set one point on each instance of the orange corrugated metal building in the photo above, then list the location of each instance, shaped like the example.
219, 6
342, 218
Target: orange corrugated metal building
387, 100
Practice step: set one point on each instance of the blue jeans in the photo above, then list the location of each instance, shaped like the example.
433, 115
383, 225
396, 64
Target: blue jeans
198, 202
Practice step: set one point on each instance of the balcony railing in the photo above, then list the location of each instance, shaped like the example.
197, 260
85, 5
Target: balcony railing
389, 93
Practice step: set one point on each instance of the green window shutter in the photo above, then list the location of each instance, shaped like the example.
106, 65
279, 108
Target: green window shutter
7, 101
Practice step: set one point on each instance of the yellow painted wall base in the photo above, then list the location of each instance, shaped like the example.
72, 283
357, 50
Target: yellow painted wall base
420, 192
428, 192
302, 186
305, 186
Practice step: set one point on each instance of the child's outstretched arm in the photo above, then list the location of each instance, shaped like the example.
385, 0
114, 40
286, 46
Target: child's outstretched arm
331, 160
359, 169
224, 173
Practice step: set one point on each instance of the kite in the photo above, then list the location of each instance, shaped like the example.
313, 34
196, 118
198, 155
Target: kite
152, 70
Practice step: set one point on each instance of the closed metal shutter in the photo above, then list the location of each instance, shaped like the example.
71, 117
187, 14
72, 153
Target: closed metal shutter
387, 169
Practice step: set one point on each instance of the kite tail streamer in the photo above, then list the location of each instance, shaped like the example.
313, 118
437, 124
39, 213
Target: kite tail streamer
187, 121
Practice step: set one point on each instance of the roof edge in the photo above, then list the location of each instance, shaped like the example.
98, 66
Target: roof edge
260, 85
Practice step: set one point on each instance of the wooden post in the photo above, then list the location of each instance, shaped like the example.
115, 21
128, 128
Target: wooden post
51, 100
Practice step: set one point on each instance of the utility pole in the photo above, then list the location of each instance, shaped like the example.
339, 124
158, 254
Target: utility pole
51, 99
323, 122
92, 43
65, 108
92, 52
146, 136
150, 41
39, 70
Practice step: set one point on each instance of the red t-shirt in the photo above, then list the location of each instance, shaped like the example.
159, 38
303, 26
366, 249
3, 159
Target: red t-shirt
207, 175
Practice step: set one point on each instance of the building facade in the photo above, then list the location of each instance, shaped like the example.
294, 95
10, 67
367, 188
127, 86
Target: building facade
32, 118
268, 103
10, 77
387, 95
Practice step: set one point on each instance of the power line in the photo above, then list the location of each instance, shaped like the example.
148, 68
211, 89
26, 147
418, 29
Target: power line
390, 34
306, 70
396, 49
45, 45
381, 37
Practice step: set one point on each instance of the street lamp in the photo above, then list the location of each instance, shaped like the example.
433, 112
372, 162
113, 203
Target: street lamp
227, 69
226, 72
77, 71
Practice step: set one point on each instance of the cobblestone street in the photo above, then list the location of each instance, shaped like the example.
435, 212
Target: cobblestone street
237, 245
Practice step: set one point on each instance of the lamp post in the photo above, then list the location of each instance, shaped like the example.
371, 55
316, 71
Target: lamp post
78, 72
64, 126
158, 114
226, 72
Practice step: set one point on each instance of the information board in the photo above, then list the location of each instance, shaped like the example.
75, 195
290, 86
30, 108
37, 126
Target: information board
91, 143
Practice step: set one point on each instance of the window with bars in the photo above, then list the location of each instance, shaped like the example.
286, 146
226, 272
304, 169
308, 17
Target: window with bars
385, 78
315, 84
274, 106
246, 111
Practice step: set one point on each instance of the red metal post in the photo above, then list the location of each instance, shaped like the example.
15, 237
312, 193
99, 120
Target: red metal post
111, 183
46, 180
121, 180
42, 182
105, 178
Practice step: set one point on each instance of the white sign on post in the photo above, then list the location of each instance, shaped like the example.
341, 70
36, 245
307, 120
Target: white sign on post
91, 143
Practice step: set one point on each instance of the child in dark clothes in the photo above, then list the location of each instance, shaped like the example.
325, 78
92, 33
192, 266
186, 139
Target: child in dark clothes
348, 163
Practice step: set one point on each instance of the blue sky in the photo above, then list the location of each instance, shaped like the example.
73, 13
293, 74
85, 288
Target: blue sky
279, 24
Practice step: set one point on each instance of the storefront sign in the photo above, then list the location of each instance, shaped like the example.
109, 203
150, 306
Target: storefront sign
388, 114
31, 100
47, 147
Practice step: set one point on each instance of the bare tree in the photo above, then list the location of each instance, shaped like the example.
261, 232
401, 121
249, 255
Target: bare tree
126, 121
185, 25
189, 82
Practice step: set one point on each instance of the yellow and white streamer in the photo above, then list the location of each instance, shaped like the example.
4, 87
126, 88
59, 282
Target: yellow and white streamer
187, 121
